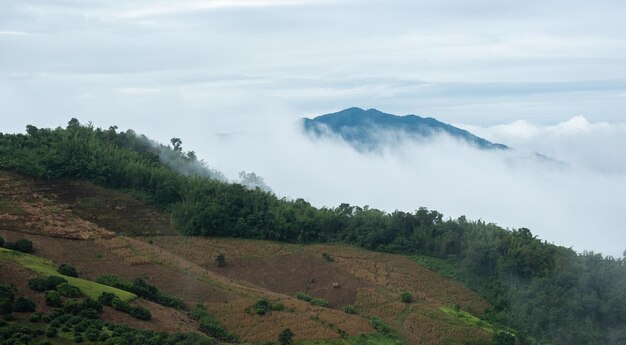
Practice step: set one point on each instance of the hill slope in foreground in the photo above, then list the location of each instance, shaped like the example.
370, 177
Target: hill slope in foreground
102, 232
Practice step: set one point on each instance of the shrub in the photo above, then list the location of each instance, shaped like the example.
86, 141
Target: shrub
54, 281
212, 327
53, 299
140, 313
24, 304
7, 296
1, 241
261, 307
349, 309
38, 284
120, 305
85, 308
67, 270
107, 298
327, 257
406, 297
198, 312
320, 302
78, 338
285, 337
220, 260
379, 325
24, 246
67, 290
304, 297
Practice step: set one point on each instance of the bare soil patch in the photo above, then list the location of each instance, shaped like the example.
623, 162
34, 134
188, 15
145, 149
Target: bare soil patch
290, 274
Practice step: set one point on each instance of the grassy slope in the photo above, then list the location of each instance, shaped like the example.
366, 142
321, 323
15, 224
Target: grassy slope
47, 268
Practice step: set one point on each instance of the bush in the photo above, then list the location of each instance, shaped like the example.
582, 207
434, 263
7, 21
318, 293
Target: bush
107, 298
53, 299
67, 270
24, 246
349, 309
54, 281
140, 313
24, 304
285, 337
379, 325
7, 296
1, 241
120, 305
198, 312
67, 290
85, 308
304, 297
212, 328
261, 307
38, 284
327, 257
220, 260
320, 302
78, 338
406, 297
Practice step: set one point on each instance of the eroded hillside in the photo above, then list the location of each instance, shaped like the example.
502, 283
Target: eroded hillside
89, 227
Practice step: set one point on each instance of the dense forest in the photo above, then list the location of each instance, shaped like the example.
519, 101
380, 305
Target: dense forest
547, 293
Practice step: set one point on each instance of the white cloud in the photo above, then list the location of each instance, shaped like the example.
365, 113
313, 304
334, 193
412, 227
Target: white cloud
569, 205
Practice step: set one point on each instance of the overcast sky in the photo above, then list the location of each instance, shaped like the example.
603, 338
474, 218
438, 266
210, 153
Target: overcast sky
513, 71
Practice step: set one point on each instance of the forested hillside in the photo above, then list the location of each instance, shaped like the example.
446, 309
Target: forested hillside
547, 293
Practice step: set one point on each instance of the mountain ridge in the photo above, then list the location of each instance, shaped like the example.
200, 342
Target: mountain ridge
360, 128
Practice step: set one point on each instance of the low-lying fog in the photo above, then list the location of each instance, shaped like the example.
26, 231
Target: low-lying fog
577, 198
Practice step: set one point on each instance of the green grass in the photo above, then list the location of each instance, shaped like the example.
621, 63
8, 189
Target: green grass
46, 268
363, 339
472, 320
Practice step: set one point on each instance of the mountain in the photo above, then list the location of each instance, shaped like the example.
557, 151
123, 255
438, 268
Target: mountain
372, 129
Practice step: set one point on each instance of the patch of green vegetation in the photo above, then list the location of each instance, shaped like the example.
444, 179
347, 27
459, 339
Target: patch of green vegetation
46, 268
472, 320
363, 339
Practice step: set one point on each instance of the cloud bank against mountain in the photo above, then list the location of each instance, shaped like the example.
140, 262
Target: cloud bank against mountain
371, 130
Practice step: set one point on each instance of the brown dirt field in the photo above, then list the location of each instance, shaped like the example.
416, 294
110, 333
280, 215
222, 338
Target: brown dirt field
376, 278
74, 209
290, 274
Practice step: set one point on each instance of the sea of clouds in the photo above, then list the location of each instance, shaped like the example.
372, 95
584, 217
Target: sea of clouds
574, 196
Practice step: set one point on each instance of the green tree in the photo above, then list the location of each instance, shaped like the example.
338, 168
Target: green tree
406, 297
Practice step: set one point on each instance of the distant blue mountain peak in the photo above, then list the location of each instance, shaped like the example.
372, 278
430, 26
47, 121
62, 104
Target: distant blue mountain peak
361, 128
